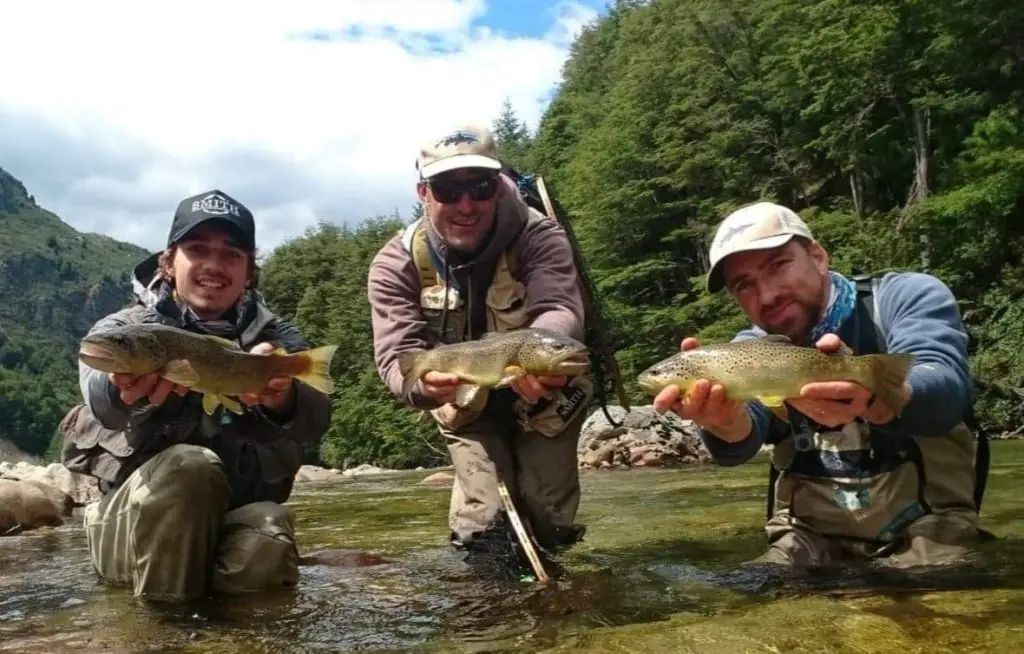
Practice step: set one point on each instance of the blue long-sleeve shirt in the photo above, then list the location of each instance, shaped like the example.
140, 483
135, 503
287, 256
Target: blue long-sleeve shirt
919, 315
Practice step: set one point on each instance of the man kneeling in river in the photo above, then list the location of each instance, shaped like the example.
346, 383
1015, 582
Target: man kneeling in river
193, 501
482, 261
857, 479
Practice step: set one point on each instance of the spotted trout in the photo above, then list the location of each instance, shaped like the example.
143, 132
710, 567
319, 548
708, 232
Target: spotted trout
771, 369
213, 366
496, 359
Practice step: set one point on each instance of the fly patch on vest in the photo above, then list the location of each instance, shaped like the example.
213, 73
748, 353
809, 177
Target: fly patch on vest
841, 483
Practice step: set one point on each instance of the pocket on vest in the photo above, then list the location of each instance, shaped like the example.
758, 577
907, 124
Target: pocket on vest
552, 417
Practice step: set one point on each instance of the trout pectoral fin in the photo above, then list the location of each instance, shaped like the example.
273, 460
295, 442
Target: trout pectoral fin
772, 401
466, 395
508, 374
212, 400
180, 371
210, 403
232, 405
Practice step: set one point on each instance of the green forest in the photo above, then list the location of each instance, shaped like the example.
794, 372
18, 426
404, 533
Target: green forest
894, 128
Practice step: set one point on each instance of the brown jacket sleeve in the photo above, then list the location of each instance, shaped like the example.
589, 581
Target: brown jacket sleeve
552, 293
398, 324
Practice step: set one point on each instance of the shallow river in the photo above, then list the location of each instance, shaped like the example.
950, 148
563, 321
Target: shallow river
656, 573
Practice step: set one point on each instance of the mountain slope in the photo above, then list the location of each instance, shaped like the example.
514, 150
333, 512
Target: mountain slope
55, 282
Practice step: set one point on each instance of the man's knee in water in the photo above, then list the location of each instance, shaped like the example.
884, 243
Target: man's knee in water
257, 549
185, 471
182, 461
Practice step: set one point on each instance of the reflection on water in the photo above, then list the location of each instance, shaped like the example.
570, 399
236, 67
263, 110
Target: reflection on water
660, 570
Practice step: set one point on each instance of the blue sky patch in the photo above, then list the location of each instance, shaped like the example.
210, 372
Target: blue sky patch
531, 18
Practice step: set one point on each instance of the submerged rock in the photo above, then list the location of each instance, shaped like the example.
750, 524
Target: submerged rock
341, 558
643, 439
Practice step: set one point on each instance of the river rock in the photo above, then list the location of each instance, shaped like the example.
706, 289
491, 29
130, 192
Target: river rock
438, 479
365, 469
81, 489
26, 505
316, 473
341, 558
644, 439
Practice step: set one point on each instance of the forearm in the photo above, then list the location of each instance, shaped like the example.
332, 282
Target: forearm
921, 317
397, 322
415, 398
103, 398
308, 417
939, 398
562, 321
553, 293
726, 453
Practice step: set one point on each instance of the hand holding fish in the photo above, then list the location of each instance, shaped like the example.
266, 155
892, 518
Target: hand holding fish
834, 403
707, 405
534, 387
279, 392
442, 387
135, 387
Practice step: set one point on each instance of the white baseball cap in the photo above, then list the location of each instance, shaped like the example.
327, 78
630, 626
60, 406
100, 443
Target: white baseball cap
470, 146
760, 226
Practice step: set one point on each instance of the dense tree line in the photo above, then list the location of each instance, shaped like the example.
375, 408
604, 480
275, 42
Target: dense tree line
894, 127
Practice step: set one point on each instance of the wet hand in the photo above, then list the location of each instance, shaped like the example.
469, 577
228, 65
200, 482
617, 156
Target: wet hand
135, 387
835, 403
279, 393
706, 405
440, 386
152, 386
533, 387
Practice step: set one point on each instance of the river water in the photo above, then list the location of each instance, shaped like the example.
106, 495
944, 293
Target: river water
657, 572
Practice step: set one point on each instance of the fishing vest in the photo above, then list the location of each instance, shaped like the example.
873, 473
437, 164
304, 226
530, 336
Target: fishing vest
849, 482
505, 310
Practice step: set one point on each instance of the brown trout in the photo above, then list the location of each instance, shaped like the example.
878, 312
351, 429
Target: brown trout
496, 359
771, 369
213, 366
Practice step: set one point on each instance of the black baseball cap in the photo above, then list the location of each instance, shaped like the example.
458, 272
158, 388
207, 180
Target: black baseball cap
211, 206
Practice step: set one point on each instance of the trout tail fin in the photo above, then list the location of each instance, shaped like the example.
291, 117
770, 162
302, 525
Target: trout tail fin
885, 375
407, 365
319, 373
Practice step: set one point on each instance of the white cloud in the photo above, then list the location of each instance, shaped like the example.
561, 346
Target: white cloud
112, 111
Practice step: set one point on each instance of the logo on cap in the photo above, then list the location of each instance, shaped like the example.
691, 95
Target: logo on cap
215, 204
456, 138
733, 232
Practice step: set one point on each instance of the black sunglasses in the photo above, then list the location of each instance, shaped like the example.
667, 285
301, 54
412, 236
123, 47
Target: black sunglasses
447, 192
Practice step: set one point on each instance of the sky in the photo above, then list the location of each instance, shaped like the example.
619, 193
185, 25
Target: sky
112, 111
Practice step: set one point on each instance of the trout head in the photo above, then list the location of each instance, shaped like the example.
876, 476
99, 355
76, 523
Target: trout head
678, 370
128, 349
544, 352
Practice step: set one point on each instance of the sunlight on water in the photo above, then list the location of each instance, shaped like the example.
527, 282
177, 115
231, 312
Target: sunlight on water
659, 571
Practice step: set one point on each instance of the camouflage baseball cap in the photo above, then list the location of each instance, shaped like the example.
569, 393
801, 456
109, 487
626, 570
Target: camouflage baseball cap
470, 146
760, 226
